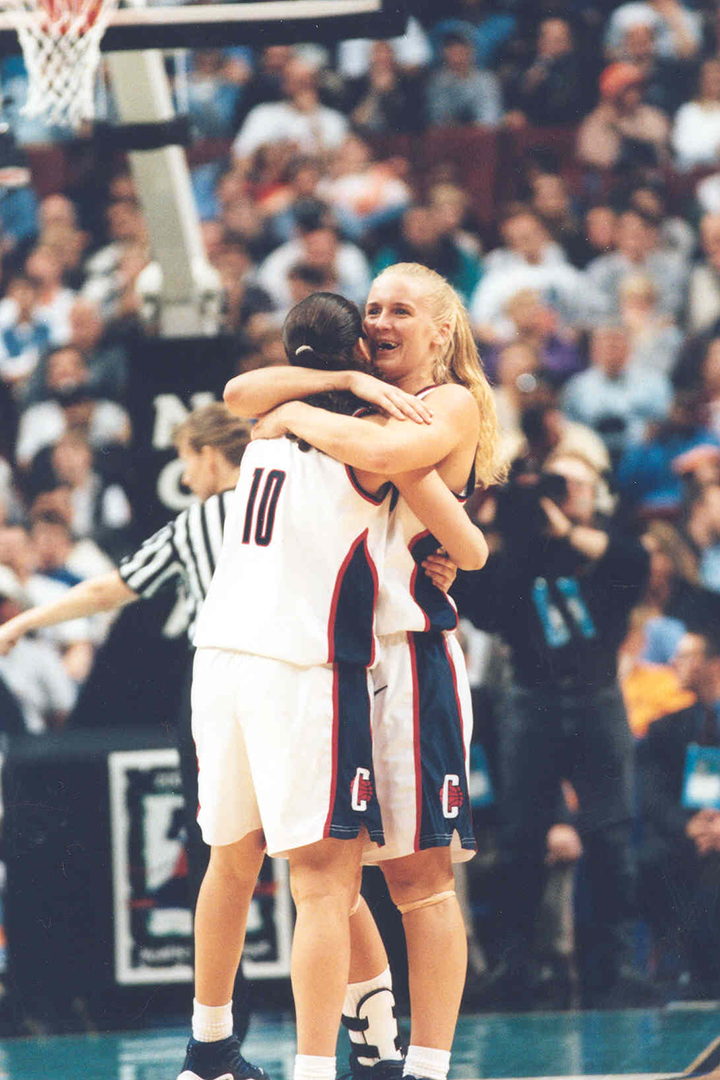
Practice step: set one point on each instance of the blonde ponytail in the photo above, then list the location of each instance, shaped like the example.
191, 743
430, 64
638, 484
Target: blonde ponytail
459, 361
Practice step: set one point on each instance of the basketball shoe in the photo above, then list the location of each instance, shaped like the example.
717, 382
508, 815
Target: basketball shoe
218, 1061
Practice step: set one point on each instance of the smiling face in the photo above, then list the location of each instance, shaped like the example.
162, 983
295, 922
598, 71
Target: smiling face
401, 332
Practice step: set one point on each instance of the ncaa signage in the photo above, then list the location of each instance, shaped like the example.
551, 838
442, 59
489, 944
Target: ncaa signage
169, 377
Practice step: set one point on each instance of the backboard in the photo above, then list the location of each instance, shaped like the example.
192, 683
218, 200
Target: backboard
164, 25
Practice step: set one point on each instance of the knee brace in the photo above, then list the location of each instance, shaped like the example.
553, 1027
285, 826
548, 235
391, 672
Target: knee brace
426, 901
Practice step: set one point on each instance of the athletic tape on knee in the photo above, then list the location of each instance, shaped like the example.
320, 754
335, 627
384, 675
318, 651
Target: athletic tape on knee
427, 901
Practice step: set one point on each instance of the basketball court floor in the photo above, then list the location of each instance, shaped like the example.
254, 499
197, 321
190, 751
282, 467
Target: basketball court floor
634, 1043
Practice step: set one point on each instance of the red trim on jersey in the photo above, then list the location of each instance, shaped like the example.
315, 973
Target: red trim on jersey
461, 718
376, 498
334, 744
414, 575
376, 588
416, 741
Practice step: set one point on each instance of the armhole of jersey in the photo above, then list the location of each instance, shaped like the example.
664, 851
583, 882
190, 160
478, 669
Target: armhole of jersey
377, 497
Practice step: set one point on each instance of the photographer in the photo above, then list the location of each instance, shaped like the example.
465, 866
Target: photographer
559, 592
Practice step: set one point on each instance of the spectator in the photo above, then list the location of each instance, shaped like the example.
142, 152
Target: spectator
677, 32
638, 251
654, 341
551, 202
451, 205
651, 474
600, 226
515, 369
412, 52
387, 98
559, 592
545, 432
488, 27
245, 304
99, 508
53, 300
558, 356
422, 240
703, 307
459, 92
25, 339
18, 552
695, 134
302, 176
711, 386
266, 81
299, 119
530, 259
622, 130
649, 195
553, 90
126, 227
666, 81
701, 527
613, 398
71, 405
318, 244
214, 88
678, 857
649, 690
35, 676
364, 194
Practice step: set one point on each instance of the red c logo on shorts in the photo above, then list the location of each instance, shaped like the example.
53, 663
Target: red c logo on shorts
361, 790
451, 796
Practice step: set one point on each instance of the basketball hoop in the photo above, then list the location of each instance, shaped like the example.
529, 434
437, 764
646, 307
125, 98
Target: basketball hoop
60, 40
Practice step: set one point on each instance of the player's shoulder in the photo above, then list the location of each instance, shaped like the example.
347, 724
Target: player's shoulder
452, 400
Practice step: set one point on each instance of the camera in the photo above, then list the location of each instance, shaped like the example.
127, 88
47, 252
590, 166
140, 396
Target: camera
520, 518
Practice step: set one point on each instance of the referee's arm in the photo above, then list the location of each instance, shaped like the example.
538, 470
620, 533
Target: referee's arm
105, 593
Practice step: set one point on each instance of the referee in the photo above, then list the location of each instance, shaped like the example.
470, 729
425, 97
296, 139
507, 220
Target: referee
210, 443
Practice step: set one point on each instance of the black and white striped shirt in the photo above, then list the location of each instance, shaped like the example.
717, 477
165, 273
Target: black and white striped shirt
186, 549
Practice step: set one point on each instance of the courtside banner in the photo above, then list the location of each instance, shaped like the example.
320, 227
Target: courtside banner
152, 919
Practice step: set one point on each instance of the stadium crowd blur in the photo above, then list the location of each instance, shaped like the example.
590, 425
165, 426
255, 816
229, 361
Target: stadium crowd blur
559, 163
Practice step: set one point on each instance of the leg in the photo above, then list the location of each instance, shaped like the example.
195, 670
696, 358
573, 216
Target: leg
436, 944
221, 916
323, 880
369, 1005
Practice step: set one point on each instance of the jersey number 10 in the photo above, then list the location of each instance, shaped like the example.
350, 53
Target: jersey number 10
267, 506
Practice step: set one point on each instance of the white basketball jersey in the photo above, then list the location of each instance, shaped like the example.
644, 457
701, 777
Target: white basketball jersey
408, 599
297, 577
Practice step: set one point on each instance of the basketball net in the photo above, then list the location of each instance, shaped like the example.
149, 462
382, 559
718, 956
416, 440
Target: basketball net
60, 40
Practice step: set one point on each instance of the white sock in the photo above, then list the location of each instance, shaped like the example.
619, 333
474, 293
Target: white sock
377, 1009
211, 1023
422, 1061
310, 1067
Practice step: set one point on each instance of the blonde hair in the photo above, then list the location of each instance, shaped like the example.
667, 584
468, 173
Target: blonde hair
459, 361
214, 425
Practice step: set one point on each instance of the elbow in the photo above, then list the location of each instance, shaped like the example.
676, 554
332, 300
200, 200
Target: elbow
475, 558
236, 399
376, 459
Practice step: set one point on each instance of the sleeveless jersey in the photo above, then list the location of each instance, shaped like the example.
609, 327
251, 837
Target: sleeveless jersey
297, 577
408, 599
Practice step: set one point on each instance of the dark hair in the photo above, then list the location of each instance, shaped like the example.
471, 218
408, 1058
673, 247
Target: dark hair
321, 332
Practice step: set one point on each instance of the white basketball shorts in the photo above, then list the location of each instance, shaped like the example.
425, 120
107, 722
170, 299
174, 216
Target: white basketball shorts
422, 725
282, 748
